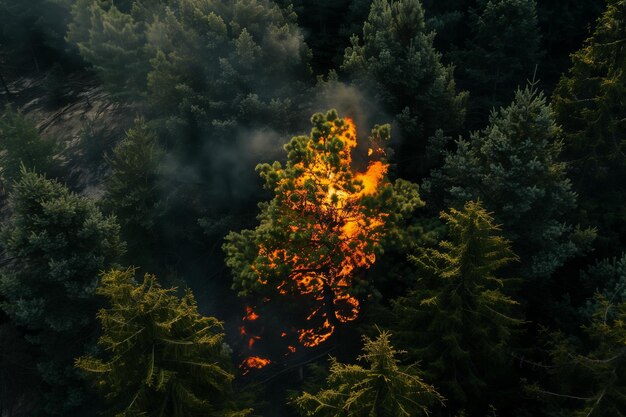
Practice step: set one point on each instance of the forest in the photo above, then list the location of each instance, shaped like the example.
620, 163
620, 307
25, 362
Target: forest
330, 208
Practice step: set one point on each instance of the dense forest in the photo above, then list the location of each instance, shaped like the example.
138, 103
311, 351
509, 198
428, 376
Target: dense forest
350, 208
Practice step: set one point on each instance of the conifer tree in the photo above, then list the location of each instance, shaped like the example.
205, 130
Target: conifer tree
499, 56
56, 243
457, 321
513, 167
589, 379
325, 225
113, 43
588, 103
21, 145
395, 62
162, 357
200, 64
381, 387
132, 192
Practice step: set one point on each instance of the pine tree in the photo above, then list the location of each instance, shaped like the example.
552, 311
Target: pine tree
324, 227
56, 243
396, 63
588, 103
457, 321
499, 56
204, 65
589, 379
162, 357
380, 388
513, 167
113, 43
21, 145
133, 192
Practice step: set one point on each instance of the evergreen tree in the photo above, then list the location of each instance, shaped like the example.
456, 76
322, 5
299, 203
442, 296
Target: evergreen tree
132, 192
589, 379
21, 145
588, 103
396, 63
380, 388
324, 227
500, 54
57, 243
457, 320
200, 64
113, 43
513, 167
162, 357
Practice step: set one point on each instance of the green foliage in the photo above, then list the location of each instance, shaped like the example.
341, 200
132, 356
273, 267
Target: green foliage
588, 103
396, 63
198, 63
160, 356
21, 145
513, 167
590, 380
457, 320
380, 388
114, 46
499, 56
607, 277
57, 243
323, 222
132, 191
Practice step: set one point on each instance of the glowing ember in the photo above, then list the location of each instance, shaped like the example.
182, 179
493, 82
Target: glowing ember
253, 362
250, 315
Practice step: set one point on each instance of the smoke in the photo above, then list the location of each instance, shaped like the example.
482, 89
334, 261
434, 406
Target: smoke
357, 104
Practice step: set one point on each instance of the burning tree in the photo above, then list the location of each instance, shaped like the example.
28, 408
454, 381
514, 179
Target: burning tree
323, 228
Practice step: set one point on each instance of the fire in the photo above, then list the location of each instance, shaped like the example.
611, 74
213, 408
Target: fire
253, 362
332, 234
250, 315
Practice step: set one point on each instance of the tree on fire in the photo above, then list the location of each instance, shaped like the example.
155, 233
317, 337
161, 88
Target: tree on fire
383, 388
324, 226
457, 320
163, 357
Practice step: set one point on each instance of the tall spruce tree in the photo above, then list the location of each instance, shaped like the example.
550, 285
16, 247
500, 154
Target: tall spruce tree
160, 357
588, 102
396, 63
56, 243
500, 54
457, 321
513, 167
381, 388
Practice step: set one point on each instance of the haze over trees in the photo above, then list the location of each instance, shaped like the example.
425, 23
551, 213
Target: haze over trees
435, 225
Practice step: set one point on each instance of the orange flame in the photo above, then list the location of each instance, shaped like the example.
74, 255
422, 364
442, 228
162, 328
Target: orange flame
328, 192
253, 362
